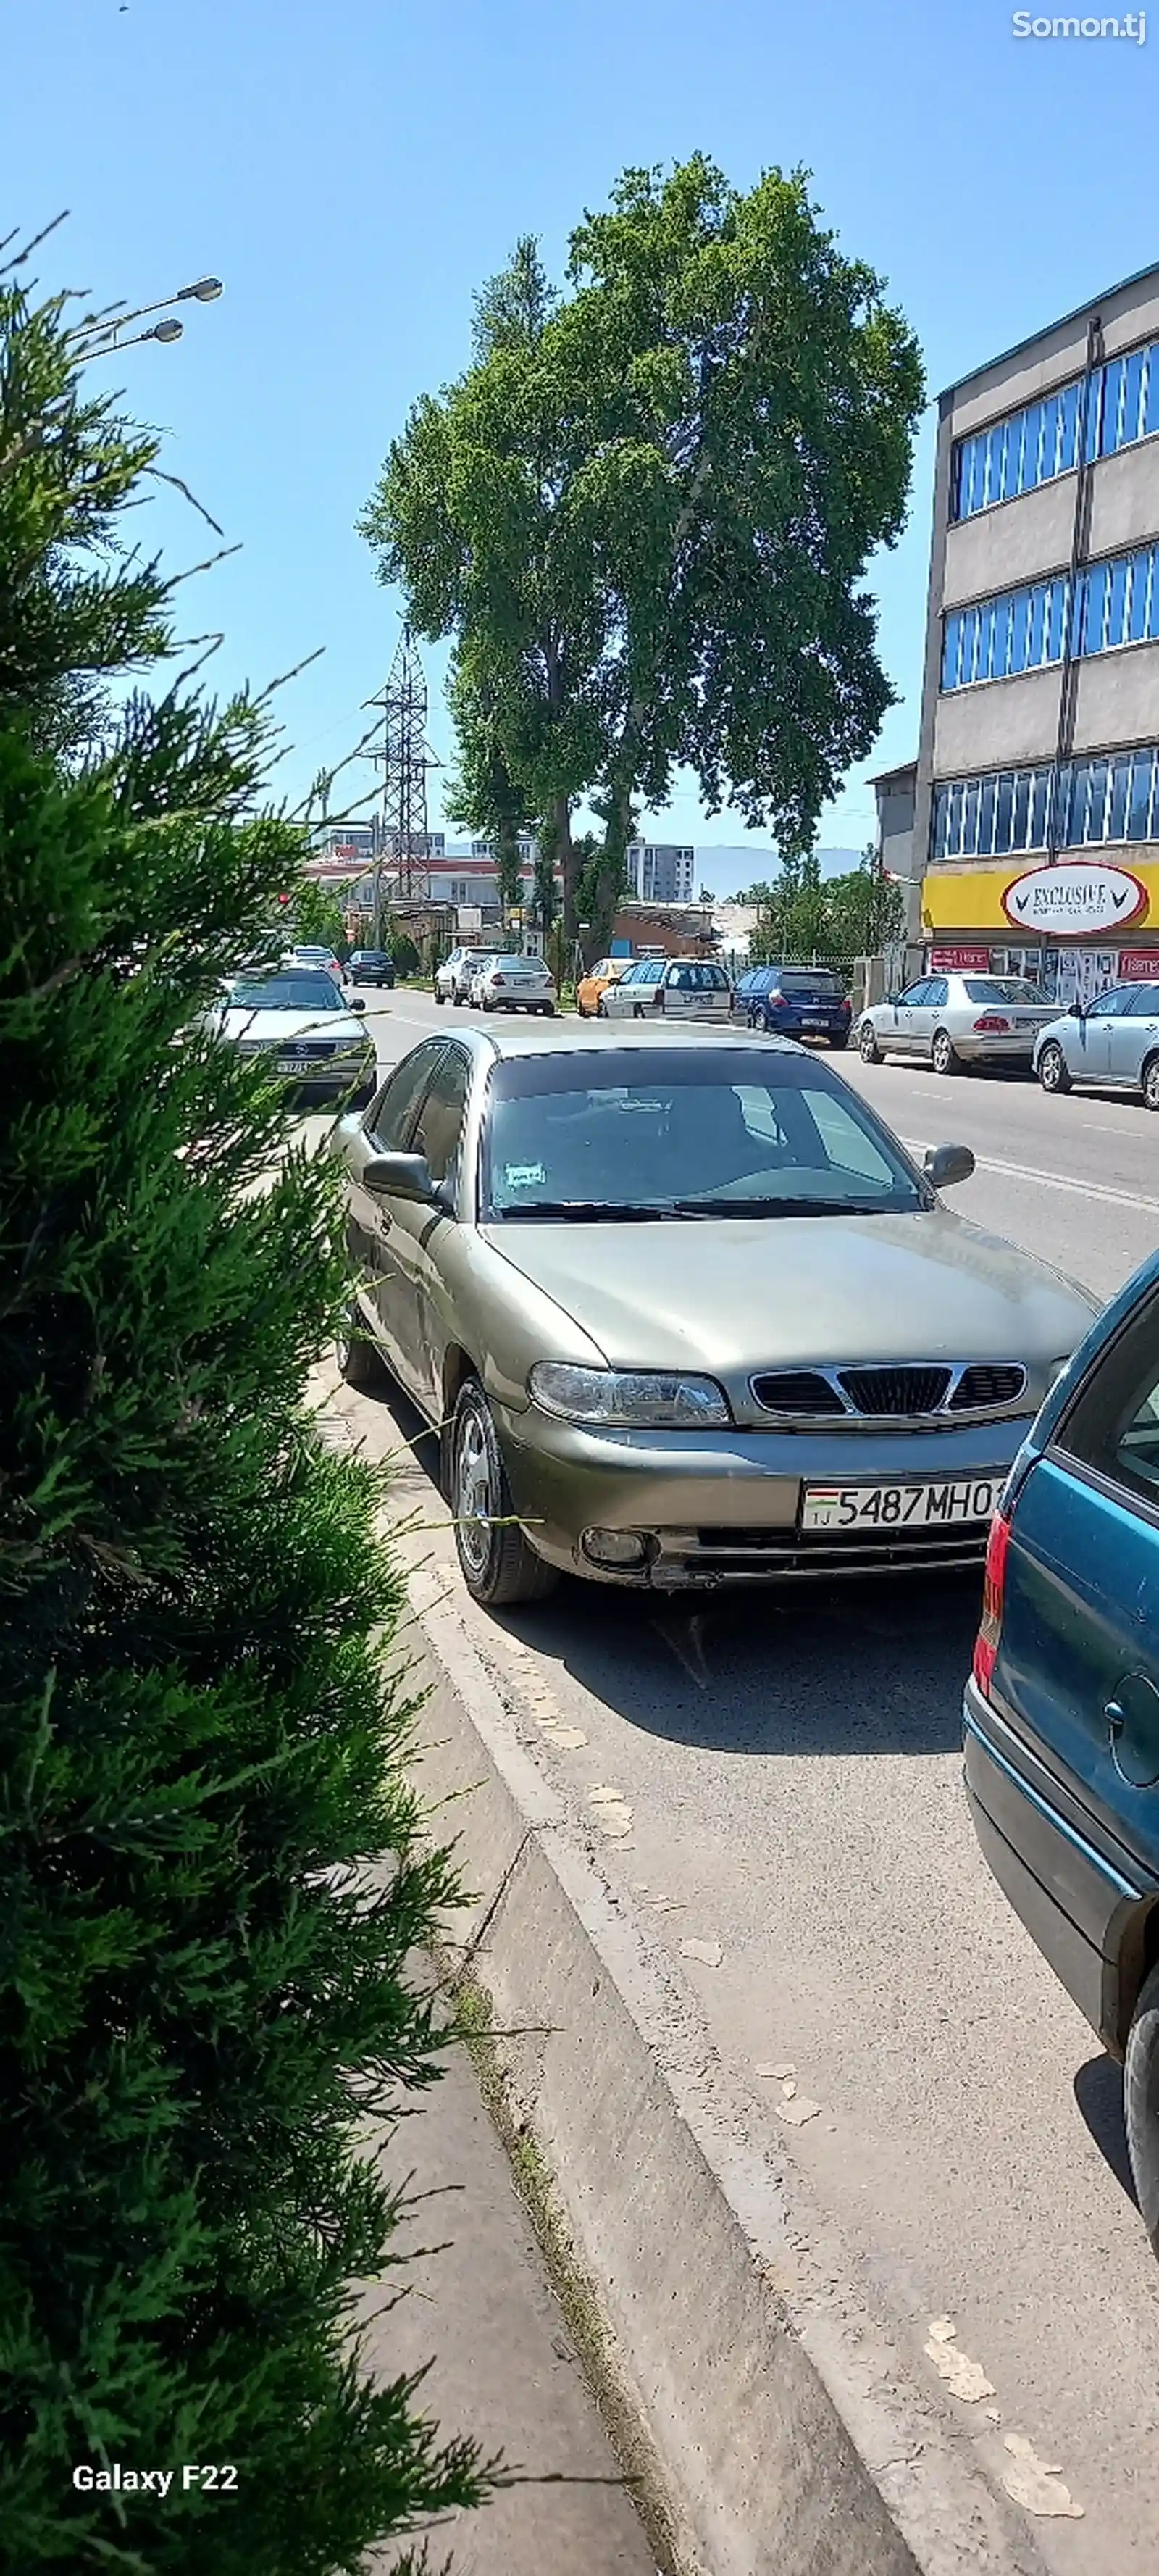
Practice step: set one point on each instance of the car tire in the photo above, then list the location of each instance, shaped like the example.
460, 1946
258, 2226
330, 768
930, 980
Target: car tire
440, 998
637, 1010
867, 1046
839, 1044
1141, 2103
944, 1056
498, 1565
1150, 1082
547, 1010
358, 1358
1053, 1070
602, 1012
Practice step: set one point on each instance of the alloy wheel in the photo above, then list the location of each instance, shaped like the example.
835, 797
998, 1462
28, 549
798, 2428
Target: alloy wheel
1052, 1069
474, 1501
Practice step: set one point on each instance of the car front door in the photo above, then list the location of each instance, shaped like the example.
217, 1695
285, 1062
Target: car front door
895, 1026
645, 992
1134, 1033
926, 1015
1088, 1040
372, 1220
419, 1231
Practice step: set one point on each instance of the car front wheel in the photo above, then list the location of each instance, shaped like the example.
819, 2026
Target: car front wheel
602, 1012
1141, 2103
867, 1046
1053, 1070
1151, 1083
498, 1565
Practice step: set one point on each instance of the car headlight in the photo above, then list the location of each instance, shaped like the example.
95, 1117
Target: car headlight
627, 1399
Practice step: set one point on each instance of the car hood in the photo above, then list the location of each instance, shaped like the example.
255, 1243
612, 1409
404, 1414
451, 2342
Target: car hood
273, 1028
753, 1292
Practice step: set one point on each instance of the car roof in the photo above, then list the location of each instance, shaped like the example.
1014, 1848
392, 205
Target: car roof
616, 1037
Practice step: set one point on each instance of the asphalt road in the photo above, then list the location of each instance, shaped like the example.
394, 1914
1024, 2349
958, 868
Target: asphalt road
791, 1769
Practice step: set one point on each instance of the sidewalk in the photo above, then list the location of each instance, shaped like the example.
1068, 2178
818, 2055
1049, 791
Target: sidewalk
505, 2368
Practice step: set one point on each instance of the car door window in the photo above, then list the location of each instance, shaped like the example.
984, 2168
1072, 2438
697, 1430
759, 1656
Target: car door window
1110, 1006
914, 993
1114, 1423
391, 1113
1144, 1002
935, 994
439, 1131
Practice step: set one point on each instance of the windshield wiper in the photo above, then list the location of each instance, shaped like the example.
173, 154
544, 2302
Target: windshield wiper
773, 1207
597, 1211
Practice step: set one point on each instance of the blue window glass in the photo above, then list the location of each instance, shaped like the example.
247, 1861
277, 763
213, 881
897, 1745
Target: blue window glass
1132, 425
1002, 839
1151, 394
1020, 823
1117, 602
1139, 809
1000, 436
967, 501
952, 653
1068, 404
1117, 800
1092, 610
1074, 820
1039, 809
941, 819
1055, 620
1153, 590
1139, 570
954, 826
1032, 448
1093, 406
1037, 627
1097, 806
986, 804
1051, 418
994, 443
998, 620
1110, 429
970, 819
1021, 606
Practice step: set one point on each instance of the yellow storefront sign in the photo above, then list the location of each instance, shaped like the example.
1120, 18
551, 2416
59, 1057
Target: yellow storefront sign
965, 901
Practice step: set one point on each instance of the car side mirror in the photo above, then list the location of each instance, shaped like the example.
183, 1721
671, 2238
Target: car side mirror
399, 1176
1076, 1011
893, 997
356, 1002
946, 1165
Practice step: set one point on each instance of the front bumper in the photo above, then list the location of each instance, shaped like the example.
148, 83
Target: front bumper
724, 1507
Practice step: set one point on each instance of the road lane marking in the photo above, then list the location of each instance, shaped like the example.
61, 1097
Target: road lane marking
1051, 1180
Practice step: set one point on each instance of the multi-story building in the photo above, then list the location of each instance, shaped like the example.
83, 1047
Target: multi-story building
660, 872
1036, 800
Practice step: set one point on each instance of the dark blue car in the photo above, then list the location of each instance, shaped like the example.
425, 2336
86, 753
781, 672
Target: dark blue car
1062, 1710
794, 1002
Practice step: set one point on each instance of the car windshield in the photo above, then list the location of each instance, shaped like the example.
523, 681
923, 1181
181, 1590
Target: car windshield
288, 992
818, 986
999, 988
635, 1134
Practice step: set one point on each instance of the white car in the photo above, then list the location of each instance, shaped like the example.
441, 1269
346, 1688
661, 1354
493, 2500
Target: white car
671, 988
951, 1021
513, 984
316, 961
447, 976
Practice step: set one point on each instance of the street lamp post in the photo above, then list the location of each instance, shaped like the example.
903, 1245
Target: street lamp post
101, 339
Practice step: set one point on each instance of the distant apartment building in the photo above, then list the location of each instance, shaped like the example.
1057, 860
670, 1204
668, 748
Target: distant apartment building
1036, 799
661, 872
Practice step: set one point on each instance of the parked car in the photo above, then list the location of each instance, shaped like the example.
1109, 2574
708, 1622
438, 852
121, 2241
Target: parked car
672, 988
1062, 1708
1111, 1044
591, 988
955, 1021
298, 1020
513, 984
454, 978
794, 1002
829, 1374
317, 960
371, 966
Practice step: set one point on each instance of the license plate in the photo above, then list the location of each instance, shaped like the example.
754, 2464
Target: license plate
299, 1064
950, 1506
1025, 1024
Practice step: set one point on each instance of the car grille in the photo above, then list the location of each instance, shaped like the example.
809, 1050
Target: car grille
309, 1050
980, 1387
922, 1391
733, 1555
896, 1391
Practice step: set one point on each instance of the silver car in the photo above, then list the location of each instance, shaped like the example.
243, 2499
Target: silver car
829, 1372
513, 984
953, 1021
1111, 1045
310, 1036
669, 988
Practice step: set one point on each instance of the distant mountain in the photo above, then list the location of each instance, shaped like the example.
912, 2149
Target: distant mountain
725, 868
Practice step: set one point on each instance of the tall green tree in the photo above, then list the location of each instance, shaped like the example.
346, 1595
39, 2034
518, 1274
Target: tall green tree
212, 1869
647, 508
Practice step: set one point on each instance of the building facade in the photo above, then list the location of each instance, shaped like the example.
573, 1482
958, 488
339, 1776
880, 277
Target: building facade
660, 872
1036, 798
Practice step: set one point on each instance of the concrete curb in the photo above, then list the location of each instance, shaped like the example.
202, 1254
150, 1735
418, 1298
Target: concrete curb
793, 2437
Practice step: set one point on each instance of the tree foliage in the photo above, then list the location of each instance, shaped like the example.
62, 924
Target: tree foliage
645, 511
212, 1874
815, 921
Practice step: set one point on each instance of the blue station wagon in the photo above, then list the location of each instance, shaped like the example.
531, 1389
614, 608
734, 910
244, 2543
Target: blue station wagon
1062, 1708
794, 1002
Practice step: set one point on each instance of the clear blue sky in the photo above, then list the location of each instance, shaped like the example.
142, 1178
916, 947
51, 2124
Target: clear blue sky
353, 169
